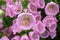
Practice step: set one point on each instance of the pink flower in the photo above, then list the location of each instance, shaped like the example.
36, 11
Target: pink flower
18, 8
16, 38
25, 37
25, 21
52, 9
40, 27
53, 34
38, 3
35, 2
7, 32
41, 4
15, 29
4, 38
13, 10
38, 16
10, 12
32, 8
48, 20
34, 35
9, 2
52, 27
45, 34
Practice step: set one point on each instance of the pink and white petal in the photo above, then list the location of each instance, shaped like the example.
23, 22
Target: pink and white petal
53, 34
24, 37
45, 34
34, 35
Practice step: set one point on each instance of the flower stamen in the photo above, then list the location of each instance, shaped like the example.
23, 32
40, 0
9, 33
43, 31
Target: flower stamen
26, 21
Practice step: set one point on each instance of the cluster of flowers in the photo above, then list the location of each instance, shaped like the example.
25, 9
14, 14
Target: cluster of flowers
30, 18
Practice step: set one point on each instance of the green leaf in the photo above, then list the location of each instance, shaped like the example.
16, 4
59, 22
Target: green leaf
58, 26
24, 3
58, 16
2, 3
1, 35
25, 32
7, 21
56, 1
47, 1
59, 2
14, 0
42, 39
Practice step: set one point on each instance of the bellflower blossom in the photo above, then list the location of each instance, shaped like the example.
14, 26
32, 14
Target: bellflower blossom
13, 10
45, 34
32, 8
48, 20
39, 27
41, 4
34, 1
4, 38
7, 32
14, 28
52, 27
34, 35
9, 2
25, 21
52, 34
38, 16
52, 9
24, 37
38, 3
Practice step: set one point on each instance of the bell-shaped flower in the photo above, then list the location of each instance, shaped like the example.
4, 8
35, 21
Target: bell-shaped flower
39, 27
34, 35
26, 21
24, 37
52, 9
4, 38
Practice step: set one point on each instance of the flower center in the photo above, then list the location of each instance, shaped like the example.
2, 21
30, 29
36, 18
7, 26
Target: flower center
26, 21
18, 9
51, 7
32, 7
49, 21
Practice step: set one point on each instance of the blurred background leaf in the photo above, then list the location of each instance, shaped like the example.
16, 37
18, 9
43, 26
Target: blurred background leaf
2, 2
24, 3
7, 21
1, 35
25, 32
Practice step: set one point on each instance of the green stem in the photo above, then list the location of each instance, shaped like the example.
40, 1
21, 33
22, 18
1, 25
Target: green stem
42, 39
